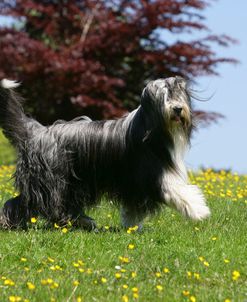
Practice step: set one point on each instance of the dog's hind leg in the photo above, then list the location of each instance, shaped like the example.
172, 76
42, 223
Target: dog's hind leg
78, 219
130, 218
85, 222
14, 214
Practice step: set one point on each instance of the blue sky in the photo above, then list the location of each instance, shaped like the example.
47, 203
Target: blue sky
224, 145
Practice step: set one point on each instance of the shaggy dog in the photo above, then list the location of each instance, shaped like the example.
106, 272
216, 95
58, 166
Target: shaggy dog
136, 161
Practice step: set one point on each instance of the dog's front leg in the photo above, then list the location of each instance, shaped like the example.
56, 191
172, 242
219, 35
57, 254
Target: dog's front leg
187, 199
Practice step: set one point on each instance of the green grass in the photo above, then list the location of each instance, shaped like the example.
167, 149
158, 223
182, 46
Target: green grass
7, 153
198, 258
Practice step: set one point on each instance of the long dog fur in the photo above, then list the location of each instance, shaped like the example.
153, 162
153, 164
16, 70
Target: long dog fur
137, 160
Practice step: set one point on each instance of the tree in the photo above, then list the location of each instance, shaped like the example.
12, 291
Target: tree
94, 56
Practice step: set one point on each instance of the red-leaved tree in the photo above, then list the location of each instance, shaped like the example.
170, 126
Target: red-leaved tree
94, 56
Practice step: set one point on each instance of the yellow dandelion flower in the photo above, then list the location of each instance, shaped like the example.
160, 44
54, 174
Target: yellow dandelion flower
227, 300
14, 298
106, 227
135, 295
158, 274
201, 258
192, 298
206, 263
125, 298
235, 275
23, 259
159, 288
131, 246
30, 286
79, 299
54, 285
132, 229
33, 220
76, 283
125, 286
214, 238
166, 270
89, 271
46, 281
103, 280
80, 262
76, 264
185, 293
135, 289
226, 260
123, 270
52, 268
118, 275
56, 226
133, 274
64, 230
49, 281
124, 259
9, 282
81, 270
189, 274
196, 276
50, 259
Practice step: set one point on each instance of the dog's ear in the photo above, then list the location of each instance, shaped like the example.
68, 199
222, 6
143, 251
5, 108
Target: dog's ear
147, 101
181, 82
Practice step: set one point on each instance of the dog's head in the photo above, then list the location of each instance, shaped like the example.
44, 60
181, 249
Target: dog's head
168, 99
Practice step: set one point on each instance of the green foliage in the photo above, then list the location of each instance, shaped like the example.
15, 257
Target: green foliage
7, 152
173, 259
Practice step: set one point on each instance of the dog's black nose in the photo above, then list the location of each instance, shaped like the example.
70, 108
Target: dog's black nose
177, 110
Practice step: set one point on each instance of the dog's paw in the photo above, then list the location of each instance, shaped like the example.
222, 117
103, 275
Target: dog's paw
195, 205
197, 211
86, 223
189, 201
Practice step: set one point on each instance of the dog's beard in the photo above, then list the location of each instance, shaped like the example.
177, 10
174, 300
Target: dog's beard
180, 121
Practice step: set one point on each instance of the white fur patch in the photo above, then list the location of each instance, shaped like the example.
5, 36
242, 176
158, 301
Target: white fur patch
8, 84
187, 199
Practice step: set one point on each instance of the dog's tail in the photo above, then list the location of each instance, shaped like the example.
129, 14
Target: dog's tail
12, 117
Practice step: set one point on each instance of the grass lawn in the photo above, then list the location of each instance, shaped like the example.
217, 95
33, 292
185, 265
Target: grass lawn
7, 153
173, 259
